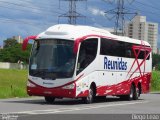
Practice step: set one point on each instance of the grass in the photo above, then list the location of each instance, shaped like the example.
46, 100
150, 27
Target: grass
13, 83
155, 83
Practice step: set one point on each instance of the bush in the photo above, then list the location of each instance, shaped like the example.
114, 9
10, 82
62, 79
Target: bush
155, 83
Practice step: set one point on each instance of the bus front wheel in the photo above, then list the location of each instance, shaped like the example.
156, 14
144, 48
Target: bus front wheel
90, 97
49, 99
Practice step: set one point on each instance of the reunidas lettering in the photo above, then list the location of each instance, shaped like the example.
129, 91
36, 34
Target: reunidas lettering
115, 65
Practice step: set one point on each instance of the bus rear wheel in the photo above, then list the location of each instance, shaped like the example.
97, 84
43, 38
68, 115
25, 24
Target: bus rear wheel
130, 96
136, 93
49, 99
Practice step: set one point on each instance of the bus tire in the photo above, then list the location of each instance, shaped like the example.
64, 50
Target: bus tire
136, 93
90, 97
49, 99
140, 89
130, 95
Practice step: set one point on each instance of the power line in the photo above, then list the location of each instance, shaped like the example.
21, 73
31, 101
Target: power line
8, 20
148, 12
42, 3
2, 17
22, 10
23, 6
72, 14
147, 5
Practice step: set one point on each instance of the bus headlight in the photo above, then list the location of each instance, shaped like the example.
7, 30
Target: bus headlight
29, 84
71, 86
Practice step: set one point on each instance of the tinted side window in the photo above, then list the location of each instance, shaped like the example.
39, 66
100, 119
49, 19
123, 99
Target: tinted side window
128, 50
107, 47
142, 54
87, 53
120, 49
112, 48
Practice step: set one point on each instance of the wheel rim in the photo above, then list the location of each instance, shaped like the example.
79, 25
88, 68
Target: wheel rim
90, 96
131, 93
137, 92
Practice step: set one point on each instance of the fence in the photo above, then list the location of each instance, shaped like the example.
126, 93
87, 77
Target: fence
6, 65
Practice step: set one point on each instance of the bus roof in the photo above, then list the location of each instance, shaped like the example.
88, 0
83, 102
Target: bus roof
72, 32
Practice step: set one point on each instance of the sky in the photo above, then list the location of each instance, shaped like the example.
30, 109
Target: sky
30, 17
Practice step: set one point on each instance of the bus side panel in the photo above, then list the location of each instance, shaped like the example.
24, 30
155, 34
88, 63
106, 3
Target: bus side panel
82, 87
84, 84
106, 83
118, 82
123, 88
146, 82
115, 81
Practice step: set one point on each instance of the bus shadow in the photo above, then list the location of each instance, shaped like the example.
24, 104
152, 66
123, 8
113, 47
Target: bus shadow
67, 101
37, 101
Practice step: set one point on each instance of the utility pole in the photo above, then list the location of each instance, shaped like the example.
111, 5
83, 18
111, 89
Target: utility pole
72, 13
119, 14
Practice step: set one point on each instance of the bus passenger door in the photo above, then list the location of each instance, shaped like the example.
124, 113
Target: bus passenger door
87, 60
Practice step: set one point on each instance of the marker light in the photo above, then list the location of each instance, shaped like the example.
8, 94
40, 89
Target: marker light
71, 86
29, 84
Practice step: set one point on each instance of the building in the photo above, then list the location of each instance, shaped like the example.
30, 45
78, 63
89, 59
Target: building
1, 47
140, 29
18, 38
158, 51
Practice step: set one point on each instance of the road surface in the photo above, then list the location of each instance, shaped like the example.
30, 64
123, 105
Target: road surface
38, 108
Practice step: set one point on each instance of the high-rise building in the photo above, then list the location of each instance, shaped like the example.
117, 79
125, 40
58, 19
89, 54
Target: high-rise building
140, 29
18, 38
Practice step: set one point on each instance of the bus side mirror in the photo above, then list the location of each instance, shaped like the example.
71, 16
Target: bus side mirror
25, 42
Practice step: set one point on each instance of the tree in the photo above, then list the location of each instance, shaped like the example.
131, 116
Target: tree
10, 42
12, 52
156, 61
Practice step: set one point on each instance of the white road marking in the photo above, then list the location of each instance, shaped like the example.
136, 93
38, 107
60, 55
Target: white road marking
62, 110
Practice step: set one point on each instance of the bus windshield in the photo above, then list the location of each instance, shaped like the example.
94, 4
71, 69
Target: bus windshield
52, 58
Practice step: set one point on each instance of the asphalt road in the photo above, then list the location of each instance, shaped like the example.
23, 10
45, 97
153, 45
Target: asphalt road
37, 107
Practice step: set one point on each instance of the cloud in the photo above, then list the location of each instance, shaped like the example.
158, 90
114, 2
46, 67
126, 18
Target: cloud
96, 11
31, 17
25, 18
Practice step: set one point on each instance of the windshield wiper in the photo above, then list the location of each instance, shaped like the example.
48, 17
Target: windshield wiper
48, 78
39, 73
45, 75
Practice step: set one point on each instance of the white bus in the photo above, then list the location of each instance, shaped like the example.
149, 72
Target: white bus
73, 61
